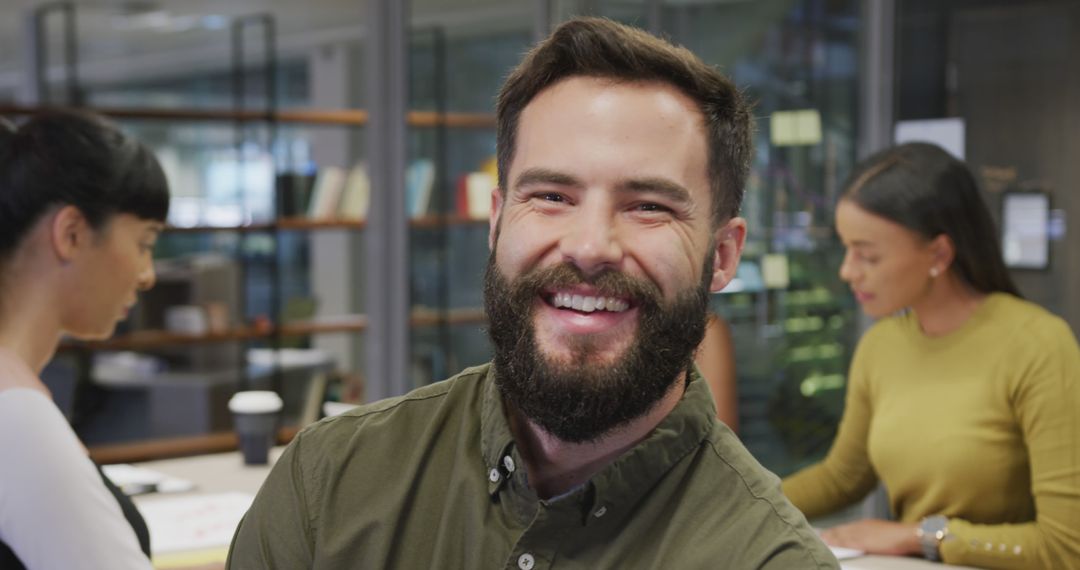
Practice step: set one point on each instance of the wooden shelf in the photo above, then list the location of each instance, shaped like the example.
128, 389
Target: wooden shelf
150, 339
299, 224
285, 224
453, 120
435, 221
310, 224
133, 452
246, 228
345, 117
357, 323
430, 317
155, 339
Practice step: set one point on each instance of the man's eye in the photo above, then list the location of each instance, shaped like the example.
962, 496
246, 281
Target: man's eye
652, 207
551, 197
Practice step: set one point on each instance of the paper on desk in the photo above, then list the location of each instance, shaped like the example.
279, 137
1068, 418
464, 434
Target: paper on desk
193, 522
134, 480
842, 553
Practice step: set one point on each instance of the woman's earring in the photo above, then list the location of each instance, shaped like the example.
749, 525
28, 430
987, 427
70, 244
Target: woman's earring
933, 272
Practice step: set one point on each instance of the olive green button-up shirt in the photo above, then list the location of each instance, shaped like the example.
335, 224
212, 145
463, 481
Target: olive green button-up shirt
434, 479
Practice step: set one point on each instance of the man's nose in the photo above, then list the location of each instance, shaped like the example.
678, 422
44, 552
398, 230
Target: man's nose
592, 242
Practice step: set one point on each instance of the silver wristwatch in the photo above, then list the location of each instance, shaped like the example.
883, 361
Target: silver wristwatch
932, 530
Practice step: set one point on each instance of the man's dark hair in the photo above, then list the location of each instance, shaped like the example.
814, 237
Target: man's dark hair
60, 158
596, 47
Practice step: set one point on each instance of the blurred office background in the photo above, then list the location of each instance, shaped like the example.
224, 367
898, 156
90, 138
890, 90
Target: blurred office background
322, 157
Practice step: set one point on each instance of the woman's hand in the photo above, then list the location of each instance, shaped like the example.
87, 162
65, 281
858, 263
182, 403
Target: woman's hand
875, 536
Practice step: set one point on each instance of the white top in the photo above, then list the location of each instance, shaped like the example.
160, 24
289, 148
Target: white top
55, 512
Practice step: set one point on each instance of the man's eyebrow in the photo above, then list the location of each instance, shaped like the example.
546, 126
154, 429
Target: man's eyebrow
545, 176
661, 186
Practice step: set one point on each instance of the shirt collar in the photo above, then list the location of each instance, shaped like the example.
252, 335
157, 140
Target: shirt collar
622, 482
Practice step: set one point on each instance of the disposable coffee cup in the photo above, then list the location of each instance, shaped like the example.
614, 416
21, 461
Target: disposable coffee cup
255, 418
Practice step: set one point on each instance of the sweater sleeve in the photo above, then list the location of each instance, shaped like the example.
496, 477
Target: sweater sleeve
1045, 395
55, 512
845, 475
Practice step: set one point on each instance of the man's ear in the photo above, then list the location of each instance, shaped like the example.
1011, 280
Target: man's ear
69, 233
493, 220
730, 239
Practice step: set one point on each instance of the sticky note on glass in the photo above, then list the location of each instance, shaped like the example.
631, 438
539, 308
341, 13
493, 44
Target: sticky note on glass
795, 128
774, 271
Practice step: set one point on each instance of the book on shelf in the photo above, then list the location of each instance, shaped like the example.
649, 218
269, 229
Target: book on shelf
419, 184
478, 187
326, 195
356, 197
295, 189
472, 199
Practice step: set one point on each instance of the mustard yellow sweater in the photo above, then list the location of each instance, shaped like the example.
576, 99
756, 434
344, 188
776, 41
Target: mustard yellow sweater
981, 425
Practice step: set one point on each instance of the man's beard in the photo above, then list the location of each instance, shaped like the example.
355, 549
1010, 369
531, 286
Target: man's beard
575, 400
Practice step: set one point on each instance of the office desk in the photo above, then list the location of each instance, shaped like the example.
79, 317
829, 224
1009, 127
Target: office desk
895, 563
225, 472
212, 474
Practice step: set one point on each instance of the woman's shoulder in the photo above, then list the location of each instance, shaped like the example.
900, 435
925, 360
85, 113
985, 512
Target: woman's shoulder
1025, 321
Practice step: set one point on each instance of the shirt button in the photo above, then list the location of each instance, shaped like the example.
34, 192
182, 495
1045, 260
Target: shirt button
526, 561
493, 475
989, 546
508, 462
1017, 550
600, 512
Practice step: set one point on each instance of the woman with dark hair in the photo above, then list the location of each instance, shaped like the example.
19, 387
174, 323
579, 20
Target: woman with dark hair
963, 398
81, 206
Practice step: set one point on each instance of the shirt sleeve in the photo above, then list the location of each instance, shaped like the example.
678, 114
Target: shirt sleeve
276, 533
1045, 399
845, 475
55, 511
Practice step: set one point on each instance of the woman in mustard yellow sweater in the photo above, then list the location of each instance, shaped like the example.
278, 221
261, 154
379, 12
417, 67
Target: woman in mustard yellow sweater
964, 399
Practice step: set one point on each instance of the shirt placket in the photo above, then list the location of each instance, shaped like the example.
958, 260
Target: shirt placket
537, 547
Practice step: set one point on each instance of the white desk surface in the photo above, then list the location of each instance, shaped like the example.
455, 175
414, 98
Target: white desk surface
895, 563
215, 473
212, 474
224, 472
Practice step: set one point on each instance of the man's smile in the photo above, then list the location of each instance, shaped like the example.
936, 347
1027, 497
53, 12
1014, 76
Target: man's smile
585, 302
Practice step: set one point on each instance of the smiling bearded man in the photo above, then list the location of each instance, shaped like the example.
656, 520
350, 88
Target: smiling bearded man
591, 441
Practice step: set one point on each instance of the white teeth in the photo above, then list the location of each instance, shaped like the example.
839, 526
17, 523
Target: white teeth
589, 304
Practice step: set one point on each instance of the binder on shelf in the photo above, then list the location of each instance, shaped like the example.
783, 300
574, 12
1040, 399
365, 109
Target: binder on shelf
357, 194
326, 196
